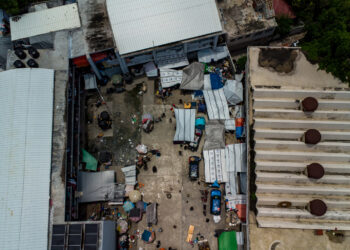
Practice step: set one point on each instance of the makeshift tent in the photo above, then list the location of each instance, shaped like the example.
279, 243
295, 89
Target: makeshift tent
130, 174
233, 91
236, 162
228, 241
214, 152
151, 213
93, 187
193, 77
185, 125
216, 104
207, 55
91, 162
214, 135
170, 77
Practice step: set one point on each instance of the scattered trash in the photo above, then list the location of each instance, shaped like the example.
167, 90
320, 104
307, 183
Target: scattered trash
141, 149
168, 196
217, 218
160, 230
158, 244
154, 169
207, 220
191, 208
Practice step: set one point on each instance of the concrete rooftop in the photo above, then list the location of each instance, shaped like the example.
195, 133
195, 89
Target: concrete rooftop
281, 156
239, 17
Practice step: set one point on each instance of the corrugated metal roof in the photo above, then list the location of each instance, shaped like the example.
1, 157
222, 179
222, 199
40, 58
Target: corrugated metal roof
45, 21
140, 24
26, 103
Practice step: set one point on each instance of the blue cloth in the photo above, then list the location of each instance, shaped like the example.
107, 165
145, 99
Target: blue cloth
202, 107
198, 93
128, 205
146, 235
239, 132
216, 184
215, 81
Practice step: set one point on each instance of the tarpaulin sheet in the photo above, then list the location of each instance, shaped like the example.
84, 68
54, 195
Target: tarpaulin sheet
207, 55
193, 77
185, 125
99, 186
91, 162
216, 104
233, 91
215, 81
236, 162
170, 77
227, 241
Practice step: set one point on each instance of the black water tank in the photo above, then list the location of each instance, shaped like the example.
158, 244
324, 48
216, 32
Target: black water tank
19, 64
32, 63
20, 53
33, 52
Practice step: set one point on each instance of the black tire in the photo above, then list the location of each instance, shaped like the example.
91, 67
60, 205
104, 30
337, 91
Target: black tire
19, 64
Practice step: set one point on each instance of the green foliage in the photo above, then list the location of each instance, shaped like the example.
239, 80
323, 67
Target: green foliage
241, 62
284, 25
15, 7
327, 41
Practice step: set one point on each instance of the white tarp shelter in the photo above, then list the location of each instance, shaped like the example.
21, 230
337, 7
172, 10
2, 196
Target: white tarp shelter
185, 125
214, 165
233, 91
45, 21
26, 103
170, 77
216, 103
140, 24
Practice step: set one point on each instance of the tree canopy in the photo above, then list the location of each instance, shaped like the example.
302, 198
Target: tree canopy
327, 41
15, 7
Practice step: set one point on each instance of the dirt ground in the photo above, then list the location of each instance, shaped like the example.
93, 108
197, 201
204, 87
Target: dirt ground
185, 207
174, 214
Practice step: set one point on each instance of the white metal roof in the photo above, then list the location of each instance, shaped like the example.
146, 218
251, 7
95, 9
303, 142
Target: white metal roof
139, 24
26, 103
45, 21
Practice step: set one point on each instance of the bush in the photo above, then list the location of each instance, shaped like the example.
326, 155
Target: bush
241, 62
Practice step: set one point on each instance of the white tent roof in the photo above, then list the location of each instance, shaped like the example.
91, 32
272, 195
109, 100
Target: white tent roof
216, 103
170, 77
185, 125
26, 103
45, 21
140, 24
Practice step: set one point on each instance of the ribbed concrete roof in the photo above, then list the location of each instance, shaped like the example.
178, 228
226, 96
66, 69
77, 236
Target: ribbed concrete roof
281, 156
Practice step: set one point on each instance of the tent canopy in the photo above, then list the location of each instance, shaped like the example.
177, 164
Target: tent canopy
193, 77
228, 241
185, 125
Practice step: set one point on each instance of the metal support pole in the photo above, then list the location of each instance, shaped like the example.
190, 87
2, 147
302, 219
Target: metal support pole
122, 63
215, 42
94, 68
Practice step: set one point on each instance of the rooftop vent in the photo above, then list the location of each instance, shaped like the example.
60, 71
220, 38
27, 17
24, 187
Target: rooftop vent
317, 207
315, 171
309, 104
312, 136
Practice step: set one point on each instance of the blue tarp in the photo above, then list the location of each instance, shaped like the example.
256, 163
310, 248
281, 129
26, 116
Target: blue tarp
215, 81
200, 123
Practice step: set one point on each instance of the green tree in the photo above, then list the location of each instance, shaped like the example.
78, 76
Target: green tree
327, 41
241, 62
15, 7
284, 25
